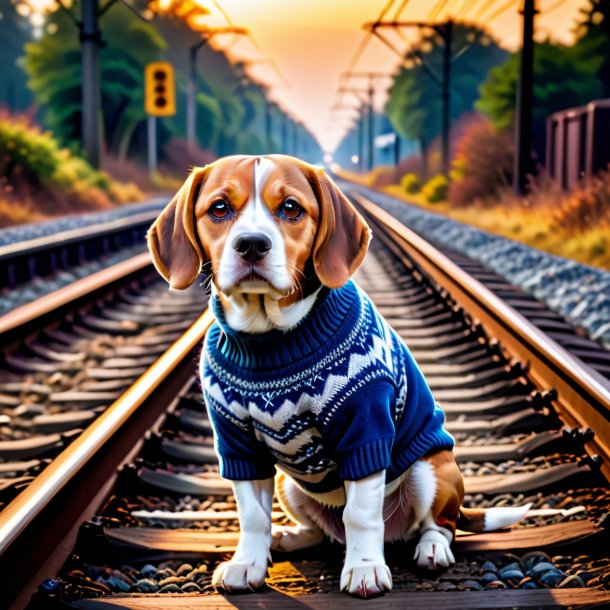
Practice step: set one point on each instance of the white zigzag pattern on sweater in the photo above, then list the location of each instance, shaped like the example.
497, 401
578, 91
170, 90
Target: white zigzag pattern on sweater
323, 403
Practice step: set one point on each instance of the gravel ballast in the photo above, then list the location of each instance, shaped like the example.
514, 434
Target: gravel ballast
579, 292
13, 235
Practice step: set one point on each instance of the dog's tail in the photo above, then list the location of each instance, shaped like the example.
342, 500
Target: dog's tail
490, 519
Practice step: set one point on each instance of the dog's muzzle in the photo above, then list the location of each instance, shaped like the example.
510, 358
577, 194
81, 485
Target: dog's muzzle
252, 247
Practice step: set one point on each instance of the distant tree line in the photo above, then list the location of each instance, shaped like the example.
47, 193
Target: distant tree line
47, 72
485, 76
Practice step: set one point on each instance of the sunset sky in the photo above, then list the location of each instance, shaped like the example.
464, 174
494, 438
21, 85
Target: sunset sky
313, 42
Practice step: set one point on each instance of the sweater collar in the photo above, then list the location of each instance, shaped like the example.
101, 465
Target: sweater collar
333, 315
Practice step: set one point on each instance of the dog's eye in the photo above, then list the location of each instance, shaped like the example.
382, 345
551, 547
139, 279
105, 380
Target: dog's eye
291, 210
219, 209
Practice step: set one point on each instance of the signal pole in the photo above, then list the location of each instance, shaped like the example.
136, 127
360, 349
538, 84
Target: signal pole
90, 37
525, 94
151, 127
373, 78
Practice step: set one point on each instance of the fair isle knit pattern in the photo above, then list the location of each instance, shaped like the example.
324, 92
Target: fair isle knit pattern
337, 398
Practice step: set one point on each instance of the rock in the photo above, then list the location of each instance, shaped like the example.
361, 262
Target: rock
496, 584
509, 567
541, 568
146, 585
489, 577
184, 569
528, 583
571, 582
149, 571
551, 578
529, 560
470, 585
509, 558
118, 585
489, 566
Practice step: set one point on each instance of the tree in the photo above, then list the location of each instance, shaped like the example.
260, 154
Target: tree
227, 121
415, 105
53, 64
593, 39
562, 79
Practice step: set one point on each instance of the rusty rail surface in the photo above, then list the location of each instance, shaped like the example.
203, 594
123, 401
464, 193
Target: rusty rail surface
62, 492
583, 394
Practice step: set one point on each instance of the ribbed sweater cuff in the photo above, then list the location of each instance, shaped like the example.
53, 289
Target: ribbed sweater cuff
237, 470
366, 460
422, 444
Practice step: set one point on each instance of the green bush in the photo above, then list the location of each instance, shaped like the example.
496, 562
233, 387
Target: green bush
28, 153
410, 183
435, 189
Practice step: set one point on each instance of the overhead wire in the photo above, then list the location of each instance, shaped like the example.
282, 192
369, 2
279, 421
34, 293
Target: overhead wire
360, 49
553, 7
500, 10
437, 9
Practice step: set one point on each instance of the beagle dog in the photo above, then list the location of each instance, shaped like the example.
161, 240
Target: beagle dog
301, 373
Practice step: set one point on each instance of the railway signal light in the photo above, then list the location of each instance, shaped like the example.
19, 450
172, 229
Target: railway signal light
160, 89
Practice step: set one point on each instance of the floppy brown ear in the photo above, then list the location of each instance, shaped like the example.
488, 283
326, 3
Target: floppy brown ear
172, 239
343, 236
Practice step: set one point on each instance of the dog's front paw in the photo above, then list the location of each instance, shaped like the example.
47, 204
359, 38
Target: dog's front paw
239, 576
433, 551
366, 579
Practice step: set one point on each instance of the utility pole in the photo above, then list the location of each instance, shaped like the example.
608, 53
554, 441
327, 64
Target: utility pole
445, 30
268, 125
90, 38
191, 89
446, 93
285, 133
371, 116
361, 95
191, 95
361, 118
361, 138
525, 94
396, 149
295, 138
373, 79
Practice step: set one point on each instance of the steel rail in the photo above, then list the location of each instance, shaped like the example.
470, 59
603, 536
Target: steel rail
73, 236
583, 394
23, 261
15, 517
66, 487
23, 316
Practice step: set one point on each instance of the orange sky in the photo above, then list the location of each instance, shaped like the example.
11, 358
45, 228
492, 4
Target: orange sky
313, 41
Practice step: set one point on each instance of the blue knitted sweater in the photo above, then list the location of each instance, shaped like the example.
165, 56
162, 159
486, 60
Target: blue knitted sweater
337, 398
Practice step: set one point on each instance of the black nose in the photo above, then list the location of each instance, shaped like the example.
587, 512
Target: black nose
252, 246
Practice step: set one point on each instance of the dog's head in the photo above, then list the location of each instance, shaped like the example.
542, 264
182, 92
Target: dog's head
270, 226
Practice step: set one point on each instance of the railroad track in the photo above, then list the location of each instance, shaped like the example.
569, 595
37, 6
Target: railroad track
33, 267
551, 323
139, 520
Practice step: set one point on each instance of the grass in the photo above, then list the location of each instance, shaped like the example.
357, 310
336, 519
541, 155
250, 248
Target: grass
553, 221
40, 179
